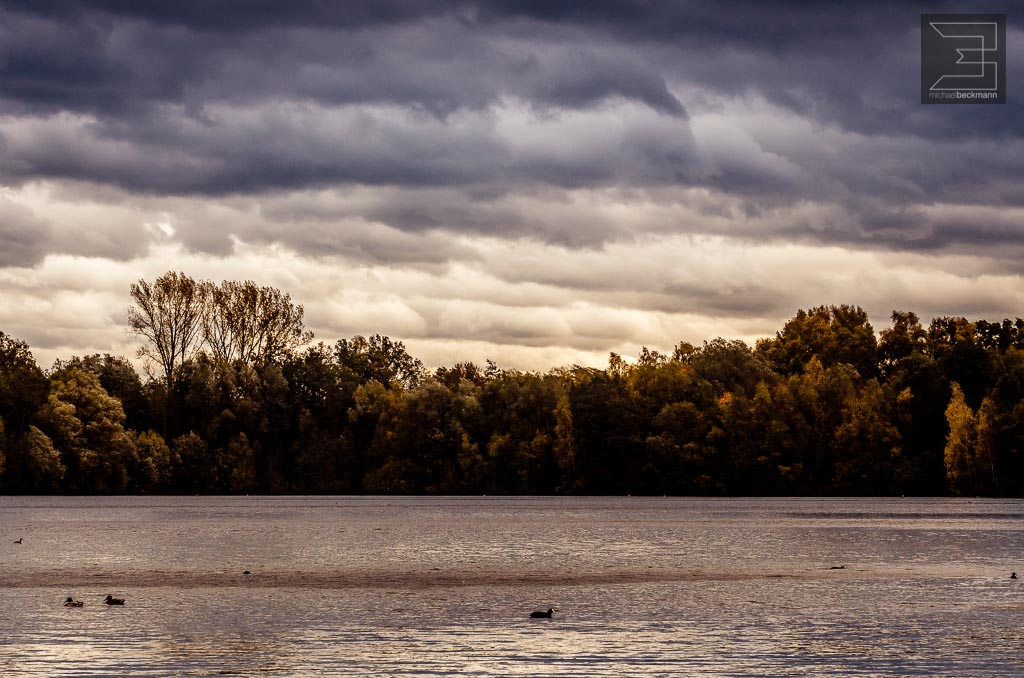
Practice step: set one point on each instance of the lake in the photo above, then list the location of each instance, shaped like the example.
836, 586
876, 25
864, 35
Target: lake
400, 586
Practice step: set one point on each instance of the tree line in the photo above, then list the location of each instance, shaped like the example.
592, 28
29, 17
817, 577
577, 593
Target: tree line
236, 399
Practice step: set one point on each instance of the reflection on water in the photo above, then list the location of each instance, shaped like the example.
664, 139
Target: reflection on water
437, 587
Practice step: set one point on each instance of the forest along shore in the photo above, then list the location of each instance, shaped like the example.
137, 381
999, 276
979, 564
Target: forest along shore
239, 400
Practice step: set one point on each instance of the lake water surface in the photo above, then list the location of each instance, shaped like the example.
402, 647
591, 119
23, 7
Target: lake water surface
386, 586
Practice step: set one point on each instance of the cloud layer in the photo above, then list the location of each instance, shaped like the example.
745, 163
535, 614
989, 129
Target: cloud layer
542, 182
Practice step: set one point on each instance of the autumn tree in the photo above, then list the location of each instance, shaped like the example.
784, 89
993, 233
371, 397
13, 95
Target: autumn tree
759, 438
923, 393
243, 416
811, 405
955, 344
324, 447
251, 324
608, 438
452, 376
118, 378
970, 462
1001, 335
869, 441
817, 409
960, 444
379, 413
150, 467
23, 389
44, 467
22, 385
905, 338
85, 424
1005, 422
192, 469
381, 359
730, 366
832, 334
511, 425
168, 314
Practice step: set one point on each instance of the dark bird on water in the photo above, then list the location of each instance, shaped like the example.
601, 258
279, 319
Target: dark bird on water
110, 600
542, 615
71, 602
1013, 575
18, 540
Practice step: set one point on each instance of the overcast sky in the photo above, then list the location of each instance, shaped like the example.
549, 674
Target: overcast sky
538, 183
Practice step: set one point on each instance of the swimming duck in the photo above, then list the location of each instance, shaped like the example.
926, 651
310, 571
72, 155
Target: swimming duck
1013, 575
542, 615
113, 601
71, 602
18, 540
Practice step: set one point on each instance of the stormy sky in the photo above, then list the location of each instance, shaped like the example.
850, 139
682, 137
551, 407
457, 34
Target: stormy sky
538, 183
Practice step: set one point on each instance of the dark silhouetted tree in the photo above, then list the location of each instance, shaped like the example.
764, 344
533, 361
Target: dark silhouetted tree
168, 315
251, 324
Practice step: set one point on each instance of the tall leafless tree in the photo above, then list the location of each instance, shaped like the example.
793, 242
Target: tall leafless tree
251, 324
169, 314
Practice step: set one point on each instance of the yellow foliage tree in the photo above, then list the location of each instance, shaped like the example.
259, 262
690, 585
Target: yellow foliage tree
969, 454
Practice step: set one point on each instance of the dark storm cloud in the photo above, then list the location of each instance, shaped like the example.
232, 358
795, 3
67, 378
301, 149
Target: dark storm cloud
854, 64
256, 97
92, 61
851, 63
242, 15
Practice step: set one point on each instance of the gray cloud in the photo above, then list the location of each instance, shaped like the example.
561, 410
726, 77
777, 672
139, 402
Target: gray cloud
93, 61
24, 238
496, 98
854, 65
544, 174
292, 146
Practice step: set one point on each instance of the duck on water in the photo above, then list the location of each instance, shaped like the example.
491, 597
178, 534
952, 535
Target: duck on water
71, 602
110, 600
542, 615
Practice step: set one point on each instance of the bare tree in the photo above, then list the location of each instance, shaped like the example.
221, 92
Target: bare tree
220, 320
251, 324
169, 315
